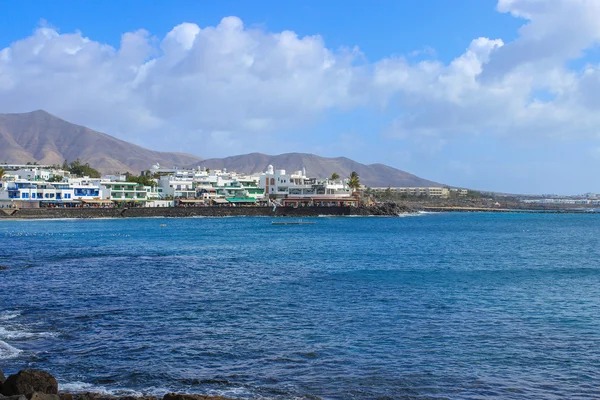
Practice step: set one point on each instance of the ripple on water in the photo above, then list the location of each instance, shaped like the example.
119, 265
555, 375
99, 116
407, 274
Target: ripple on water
440, 306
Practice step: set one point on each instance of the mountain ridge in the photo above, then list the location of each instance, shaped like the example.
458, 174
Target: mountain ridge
41, 137
374, 175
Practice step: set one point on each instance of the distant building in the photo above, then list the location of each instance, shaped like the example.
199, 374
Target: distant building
441, 192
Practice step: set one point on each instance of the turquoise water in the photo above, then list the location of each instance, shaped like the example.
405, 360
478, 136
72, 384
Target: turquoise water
434, 306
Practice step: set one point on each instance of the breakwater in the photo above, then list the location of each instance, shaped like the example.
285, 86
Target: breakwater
390, 209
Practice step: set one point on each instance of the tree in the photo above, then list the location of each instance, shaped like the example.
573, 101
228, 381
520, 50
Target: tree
55, 178
79, 169
2, 172
473, 194
142, 180
335, 176
354, 181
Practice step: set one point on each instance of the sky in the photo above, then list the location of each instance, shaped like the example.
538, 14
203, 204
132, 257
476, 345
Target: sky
491, 95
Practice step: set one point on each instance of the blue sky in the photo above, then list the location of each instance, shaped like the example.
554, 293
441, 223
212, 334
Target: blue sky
492, 95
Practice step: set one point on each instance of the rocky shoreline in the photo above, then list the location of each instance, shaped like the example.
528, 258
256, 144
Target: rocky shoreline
33, 384
389, 209
385, 209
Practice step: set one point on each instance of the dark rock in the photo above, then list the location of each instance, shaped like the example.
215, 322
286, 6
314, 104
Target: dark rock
179, 396
136, 398
65, 396
87, 396
42, 396
17, 397
3, 268
28, 381
2, 377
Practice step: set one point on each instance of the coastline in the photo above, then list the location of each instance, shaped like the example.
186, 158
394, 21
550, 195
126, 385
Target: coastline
384, 209
32, 384
387, 209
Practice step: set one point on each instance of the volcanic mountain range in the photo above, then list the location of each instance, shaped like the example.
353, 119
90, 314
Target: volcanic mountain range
46, 139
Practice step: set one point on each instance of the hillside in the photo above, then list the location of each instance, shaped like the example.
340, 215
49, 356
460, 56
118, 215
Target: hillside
46, 139
374, 175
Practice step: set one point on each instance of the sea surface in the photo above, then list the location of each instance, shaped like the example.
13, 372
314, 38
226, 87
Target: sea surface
428, 306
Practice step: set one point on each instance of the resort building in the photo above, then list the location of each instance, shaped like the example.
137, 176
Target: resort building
442, 192
297, 188
36, 186
200, 187
124, 192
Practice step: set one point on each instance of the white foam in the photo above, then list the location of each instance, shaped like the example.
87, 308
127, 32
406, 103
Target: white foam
415, 214
7, 351
6, 315
233, 391
18, 334
78, 387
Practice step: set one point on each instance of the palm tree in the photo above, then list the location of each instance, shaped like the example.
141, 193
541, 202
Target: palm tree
2, 172
354, 181
335, 176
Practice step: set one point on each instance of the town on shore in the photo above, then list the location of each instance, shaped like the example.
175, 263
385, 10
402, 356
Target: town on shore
79, 185
76, 185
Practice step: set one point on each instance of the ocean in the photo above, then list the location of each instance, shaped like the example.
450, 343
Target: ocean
428, 306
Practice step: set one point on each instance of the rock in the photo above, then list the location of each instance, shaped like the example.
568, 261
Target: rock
28, 381
17, 397
65, 396
2, 377
3, 267
86, 396
178, 396
42, 396
136, 398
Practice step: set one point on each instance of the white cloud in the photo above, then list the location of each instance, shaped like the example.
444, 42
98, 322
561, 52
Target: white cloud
196, 81
521, 89
230, 86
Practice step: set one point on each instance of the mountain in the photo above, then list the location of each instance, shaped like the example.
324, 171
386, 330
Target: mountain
43, 138
46, 139
373, 175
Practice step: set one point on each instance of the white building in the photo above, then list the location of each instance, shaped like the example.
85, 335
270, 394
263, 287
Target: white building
296, 189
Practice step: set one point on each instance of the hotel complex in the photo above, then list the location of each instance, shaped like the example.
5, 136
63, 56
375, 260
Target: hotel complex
32, 186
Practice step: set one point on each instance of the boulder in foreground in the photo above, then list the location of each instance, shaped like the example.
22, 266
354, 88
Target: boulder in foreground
29, 381
42, 396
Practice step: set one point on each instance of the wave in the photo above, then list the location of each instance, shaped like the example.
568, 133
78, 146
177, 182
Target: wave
80, 387
20, 334
230, 391
6, 315
7, 351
